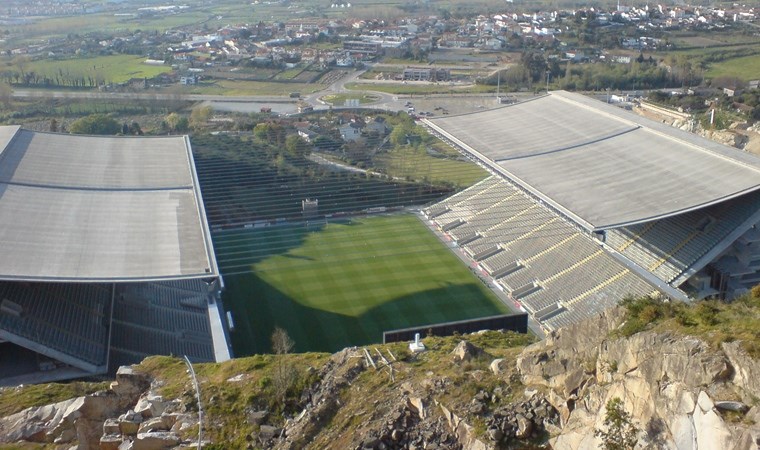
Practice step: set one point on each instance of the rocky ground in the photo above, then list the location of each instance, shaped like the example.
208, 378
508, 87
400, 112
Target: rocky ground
478, 392
739, 135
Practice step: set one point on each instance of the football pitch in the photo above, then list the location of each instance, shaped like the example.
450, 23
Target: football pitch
343, 283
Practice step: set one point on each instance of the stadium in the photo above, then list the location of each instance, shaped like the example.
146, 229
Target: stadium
107, 256
108, 253
588, 203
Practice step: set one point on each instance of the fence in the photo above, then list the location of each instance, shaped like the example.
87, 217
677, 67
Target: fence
513, 322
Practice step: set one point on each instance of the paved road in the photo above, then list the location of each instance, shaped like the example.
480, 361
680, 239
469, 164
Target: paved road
44, 93
248, 103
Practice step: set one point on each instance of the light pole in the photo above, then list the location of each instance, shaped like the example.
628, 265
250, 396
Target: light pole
547, 81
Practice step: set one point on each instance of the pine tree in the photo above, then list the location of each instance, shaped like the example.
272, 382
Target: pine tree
620, 433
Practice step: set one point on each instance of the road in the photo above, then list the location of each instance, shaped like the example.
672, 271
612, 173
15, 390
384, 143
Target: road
253, 103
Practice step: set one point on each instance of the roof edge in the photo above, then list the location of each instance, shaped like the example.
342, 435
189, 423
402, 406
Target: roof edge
711, 147
680, 211
514, 179
10, 141
32, 279
611, 112
207, 242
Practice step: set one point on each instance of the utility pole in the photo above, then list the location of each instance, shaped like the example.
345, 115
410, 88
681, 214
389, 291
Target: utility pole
547, 81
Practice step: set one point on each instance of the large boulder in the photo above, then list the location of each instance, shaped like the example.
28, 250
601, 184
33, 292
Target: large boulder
498, 366
745, 368
687, 359
466, 351
158, 440
34, 424
129, 382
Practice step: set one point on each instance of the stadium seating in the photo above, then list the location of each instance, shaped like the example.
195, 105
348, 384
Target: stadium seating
670, 246
160, 318
68, 318
542, 260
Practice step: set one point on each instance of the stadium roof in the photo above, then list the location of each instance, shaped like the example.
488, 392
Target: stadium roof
600, 165
93, 208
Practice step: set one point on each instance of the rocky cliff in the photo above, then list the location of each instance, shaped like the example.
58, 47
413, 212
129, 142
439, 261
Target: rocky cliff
681, 393
482, 391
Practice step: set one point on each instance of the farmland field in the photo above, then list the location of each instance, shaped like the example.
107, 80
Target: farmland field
420, 88
745, 68
343, 283
245, 87
108, 69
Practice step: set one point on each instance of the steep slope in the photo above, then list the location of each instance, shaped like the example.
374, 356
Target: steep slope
680, 373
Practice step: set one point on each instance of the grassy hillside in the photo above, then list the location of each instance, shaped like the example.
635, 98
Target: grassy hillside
711, 320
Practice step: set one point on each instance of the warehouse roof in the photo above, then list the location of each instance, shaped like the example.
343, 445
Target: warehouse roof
87, 208
600, 165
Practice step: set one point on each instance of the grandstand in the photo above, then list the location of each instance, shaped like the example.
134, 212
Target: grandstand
106, 256
589, 203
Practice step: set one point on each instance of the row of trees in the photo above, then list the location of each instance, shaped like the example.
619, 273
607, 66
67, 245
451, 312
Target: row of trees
101, 124
642, 73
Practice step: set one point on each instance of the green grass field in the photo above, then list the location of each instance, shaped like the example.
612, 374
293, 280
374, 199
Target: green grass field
417, 164
745, 68
246, 87
340, 99
343, 283
404, 89
109, 69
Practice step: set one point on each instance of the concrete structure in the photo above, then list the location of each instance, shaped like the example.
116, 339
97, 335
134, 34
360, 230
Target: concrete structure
107, 254
426, 74
365, 48
565, 147
589, 203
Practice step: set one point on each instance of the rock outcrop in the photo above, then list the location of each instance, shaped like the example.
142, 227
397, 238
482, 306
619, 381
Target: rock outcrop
669, 384
126, 416
680, 392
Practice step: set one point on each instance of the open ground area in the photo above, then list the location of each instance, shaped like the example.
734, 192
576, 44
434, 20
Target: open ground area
344, 283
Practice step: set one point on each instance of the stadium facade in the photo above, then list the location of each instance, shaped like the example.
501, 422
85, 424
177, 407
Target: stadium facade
107, 256
589, 203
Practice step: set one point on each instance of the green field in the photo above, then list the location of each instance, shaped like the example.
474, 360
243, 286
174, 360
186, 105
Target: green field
416, 164
344, 283
108, 69
246, 87
746, 68
340, 99
414, 88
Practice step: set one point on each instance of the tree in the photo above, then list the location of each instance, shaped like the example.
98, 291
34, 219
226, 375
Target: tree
95, 124
6, 95
271, 133
296, 147
398, 135
135, 128
53, 125
621, 433
284, 374
176, 123
199, 116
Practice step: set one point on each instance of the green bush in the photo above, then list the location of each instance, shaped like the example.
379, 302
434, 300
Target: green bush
95, 124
